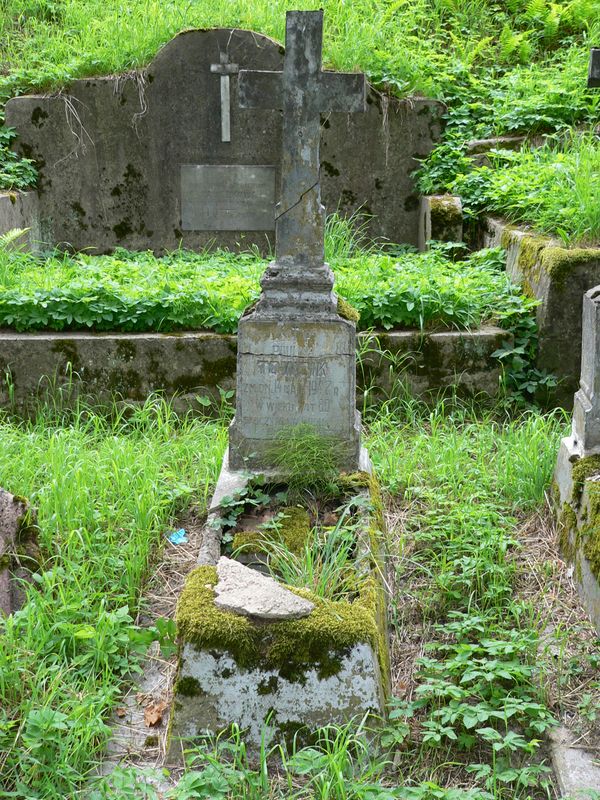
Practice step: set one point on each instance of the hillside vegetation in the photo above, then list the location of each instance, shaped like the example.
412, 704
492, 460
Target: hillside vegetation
517, 66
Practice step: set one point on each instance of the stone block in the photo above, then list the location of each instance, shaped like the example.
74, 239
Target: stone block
110, 150
291, 372
19, 552
20, 210
440, 219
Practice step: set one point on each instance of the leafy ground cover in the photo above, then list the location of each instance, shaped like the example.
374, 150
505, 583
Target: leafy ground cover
185, 290
468, 716
514, 67
556, 185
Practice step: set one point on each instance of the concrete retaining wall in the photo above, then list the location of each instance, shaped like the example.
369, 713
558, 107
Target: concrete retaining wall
189, 365
21, 210
558, 277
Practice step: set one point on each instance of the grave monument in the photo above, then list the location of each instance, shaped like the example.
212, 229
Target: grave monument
252, 651
577, 474
296, 354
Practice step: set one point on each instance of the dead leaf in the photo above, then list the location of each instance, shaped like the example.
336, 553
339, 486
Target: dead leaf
121, 711
153, 713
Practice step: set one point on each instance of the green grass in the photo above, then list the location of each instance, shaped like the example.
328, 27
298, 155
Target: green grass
555, 188
46, 43
106, 493
185, 290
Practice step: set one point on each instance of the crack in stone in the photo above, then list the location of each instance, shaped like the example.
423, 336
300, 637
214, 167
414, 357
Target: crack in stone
298, 201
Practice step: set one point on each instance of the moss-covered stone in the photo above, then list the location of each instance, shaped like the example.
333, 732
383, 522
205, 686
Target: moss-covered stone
445, 212
559, 262
290, 647
539, 254
582, 470
292, 531
347, 311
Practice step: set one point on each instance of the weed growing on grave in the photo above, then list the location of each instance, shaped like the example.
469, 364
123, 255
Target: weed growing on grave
327, 564
308, 460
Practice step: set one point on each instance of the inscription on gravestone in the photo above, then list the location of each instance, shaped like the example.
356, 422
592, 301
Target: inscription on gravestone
227, 197
296, 355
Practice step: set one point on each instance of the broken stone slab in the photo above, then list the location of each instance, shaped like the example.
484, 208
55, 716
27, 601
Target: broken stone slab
19, 551
245, 591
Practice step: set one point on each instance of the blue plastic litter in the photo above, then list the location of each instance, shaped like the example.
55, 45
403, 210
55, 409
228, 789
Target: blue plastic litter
178, 537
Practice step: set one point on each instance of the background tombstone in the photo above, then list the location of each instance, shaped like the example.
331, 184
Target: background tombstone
113, 152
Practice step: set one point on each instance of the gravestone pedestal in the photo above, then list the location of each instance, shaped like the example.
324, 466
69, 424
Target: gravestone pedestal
296, 365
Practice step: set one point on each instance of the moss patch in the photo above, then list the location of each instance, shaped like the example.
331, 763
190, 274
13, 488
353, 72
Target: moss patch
188, 687
567, 521
582, 470
347, 311
292, 531
559, 262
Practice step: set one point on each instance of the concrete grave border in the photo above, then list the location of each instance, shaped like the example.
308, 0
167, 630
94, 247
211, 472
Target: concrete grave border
183, 366
558, 277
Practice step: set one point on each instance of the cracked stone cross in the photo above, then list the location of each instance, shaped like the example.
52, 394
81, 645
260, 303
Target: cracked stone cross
302, 91
296, 362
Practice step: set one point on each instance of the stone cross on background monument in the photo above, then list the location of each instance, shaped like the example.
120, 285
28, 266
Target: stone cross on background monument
225, 68
296, 355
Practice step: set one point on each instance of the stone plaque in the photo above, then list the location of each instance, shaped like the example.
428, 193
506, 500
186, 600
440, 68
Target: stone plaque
227, 197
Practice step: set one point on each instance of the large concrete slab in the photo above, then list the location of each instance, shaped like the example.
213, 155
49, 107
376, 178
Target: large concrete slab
110, 150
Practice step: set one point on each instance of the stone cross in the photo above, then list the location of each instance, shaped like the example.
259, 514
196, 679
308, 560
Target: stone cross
594, 71
225, 68
302, 91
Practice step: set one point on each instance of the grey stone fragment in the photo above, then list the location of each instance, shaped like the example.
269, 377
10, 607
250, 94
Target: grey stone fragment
576, 773
19, 553
247, 592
